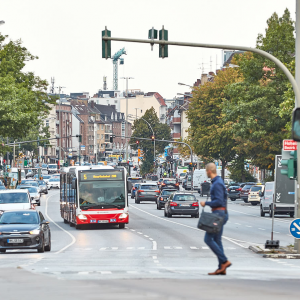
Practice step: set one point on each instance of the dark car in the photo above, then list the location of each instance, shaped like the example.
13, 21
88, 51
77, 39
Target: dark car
147, 192
168, 183
134, 188
233, 192
163, 197
132, 180
24, 229
181, 203
245, 191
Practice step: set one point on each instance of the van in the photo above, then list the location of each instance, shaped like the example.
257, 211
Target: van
14, 200
255, 193
267, 198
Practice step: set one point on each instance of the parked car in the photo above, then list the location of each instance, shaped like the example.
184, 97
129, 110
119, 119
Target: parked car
147, 192
181, 203
31, 229
133, 190
35, 196
245, 191
163, 197
255, 193
54, 183
267, 199
14, 200
168, 183
233, 192
43, 186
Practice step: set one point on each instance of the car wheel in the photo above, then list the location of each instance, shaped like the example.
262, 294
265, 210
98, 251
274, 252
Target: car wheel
158, 206
39, 204
72, 224
46, 192
122, 226
48, 247
137, 201
246, 201
77, 226
42, 247
132, 196
232, 199
165, 213
169, 215
197, 215
262, 213
65, 221
292, 215
253, 203
2, 250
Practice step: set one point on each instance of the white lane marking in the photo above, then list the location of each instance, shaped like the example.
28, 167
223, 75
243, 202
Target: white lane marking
261, 229
141, 248
130, 248
205, 248
194, 228
150, 239
276, 232
114, 248
140, 233
194, 248
154, 257
167, 247
104, 272
132, 272
156, 261
178, 248
67, 232
248, 226
103, 248
83, 273
88, 249
237, 223
132, 229
146, 235
154, 245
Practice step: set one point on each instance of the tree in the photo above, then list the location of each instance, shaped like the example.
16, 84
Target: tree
23, 96
143, 130
211, 135
258, 106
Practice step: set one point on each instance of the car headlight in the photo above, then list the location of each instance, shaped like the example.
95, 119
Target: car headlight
123, 216
35, 231
82, 217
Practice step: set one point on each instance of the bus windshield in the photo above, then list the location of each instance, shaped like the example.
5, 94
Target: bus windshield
101, 190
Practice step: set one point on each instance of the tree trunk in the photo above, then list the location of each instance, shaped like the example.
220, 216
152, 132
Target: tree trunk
223, 169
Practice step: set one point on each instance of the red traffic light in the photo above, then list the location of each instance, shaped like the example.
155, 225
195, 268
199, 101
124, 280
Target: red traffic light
137, 142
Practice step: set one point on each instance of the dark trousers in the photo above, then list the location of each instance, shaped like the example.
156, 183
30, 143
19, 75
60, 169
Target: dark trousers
214, 240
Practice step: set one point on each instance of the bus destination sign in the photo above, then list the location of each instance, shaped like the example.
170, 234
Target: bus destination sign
98, 175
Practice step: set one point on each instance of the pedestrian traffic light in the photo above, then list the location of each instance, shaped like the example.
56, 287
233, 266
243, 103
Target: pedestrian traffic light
163, 49
137, 142
106, 45
152, 138
291, 163
79, 136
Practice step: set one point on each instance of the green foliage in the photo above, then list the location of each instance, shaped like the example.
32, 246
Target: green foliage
23, 96
143, 130
238, 172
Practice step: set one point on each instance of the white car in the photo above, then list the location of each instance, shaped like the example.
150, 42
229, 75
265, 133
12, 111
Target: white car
46, 178
53, 183
15, 200
35, 196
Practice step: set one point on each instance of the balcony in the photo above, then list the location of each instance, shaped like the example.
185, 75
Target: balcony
176, 135
177, 120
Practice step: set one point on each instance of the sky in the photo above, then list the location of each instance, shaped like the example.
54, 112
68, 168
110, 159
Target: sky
66, 36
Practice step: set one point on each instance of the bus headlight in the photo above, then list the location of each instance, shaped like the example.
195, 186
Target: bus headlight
82, 217
123, 216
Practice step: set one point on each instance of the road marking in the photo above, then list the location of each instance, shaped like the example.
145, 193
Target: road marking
88, 249
261, 229
154, 257
114, 248
154, 245
103, 248
67, 232
132, 229
194, 248
194, 228
140, 233
237, 223
130, 248
276, 232
178, 248
150, 239
146, 235
167, 247
132, 272
104, 272
204, 248
141, 248
248, 226
83, 273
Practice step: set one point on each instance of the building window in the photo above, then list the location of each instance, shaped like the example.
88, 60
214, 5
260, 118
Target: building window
102, 127
98, 136
102, 136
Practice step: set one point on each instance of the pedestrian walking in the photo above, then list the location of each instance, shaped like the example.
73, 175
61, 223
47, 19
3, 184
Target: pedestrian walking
218, 205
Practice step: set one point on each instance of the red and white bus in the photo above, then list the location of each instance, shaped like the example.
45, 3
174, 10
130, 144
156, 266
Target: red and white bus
94, 194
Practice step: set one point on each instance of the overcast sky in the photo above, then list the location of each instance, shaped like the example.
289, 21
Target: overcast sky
66, 35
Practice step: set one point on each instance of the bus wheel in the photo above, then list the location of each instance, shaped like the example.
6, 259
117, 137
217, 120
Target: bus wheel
78, 226
65, 221
121, 226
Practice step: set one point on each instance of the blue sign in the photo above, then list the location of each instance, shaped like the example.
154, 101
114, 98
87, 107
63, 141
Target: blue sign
295, 228
120, 158
166, 152
82, 147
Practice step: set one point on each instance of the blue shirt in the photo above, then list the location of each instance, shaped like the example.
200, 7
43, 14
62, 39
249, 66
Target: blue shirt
218, 193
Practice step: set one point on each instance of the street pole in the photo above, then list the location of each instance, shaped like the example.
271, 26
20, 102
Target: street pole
297, 73
13, 162
60, 125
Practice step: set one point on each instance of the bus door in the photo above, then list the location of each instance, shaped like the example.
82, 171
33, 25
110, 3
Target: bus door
72, 198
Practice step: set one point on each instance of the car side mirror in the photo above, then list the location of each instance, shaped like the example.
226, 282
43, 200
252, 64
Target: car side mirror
260, 194
45, 222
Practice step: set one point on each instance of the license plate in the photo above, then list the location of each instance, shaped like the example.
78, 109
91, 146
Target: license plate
186, 205
103, 221
113, 220
15, 241
253, 196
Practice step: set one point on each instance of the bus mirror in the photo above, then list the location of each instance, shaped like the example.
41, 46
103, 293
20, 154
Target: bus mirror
74, 183
296, 125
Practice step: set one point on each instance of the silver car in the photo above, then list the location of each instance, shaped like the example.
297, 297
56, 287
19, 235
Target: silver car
43, 186
35, 195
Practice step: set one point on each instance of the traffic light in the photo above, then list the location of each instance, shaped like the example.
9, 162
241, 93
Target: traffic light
163, 49
106, 45
111, 138
291, 163
137, 142
152, 138
79, 136
66, 164
190, 166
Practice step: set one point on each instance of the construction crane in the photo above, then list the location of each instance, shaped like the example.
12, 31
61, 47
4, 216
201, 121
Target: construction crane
115, 58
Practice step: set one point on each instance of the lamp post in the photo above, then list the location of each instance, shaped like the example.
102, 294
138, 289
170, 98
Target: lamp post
126, 120
136, 108
59, 124
2, 22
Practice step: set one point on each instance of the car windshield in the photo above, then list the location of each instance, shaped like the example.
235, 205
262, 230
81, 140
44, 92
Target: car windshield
42, 182
30, 189
8, 198
255, 188
233, 187
32, 183
148, 187
46, 176
247, 187
182, 174
169, 181
54, 179
52, 167
184, 198
167, 192
19, 217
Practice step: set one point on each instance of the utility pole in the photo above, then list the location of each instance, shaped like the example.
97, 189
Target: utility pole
297, 69
60, 125
126, 117
13, 162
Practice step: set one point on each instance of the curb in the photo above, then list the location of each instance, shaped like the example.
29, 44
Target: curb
286, 256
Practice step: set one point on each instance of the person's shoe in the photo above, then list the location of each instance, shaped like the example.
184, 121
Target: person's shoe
217, 272
224, 266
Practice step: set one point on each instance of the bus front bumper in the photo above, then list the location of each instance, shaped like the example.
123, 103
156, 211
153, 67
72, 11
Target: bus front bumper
110, 218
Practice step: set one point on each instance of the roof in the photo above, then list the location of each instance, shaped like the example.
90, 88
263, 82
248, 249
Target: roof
158, 96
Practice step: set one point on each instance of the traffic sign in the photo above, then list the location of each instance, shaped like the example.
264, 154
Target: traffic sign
295, 228
289, 145
82, 147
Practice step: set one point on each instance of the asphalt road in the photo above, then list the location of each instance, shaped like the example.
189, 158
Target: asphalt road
167, 254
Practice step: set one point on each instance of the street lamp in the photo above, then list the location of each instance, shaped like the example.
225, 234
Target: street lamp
126, 125
60, 123
2, 22
180, 83
186, 95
